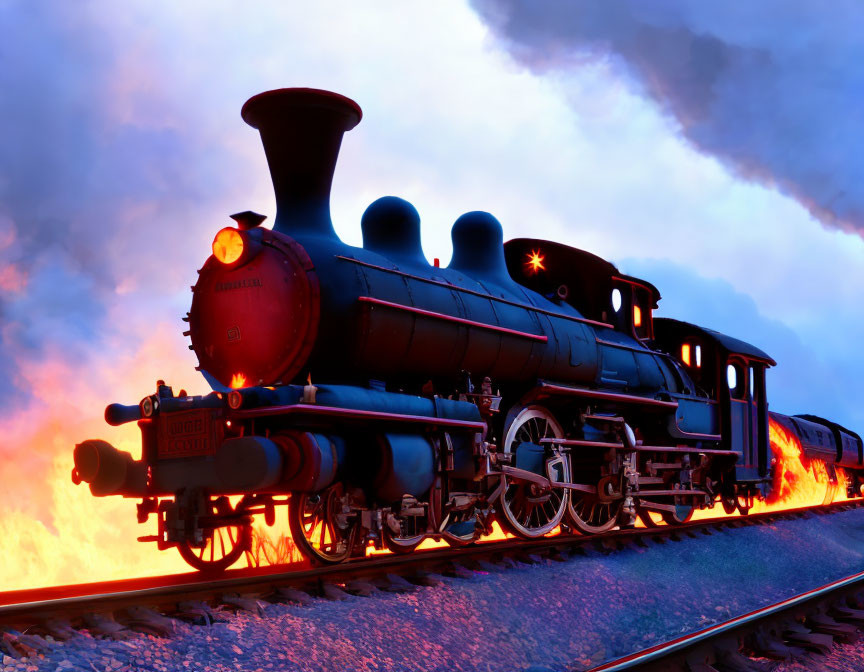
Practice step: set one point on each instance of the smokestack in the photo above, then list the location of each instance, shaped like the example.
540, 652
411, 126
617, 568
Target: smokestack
301, 130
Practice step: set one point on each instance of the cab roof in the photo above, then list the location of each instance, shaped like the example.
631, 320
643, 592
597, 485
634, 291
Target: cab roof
668, 329
564, 265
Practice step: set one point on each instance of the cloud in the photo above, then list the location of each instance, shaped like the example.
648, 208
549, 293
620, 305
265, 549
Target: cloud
804, 363
771, 90
128, 153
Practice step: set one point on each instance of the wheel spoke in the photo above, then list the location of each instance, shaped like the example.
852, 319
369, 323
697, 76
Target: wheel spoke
315, 529
525, 510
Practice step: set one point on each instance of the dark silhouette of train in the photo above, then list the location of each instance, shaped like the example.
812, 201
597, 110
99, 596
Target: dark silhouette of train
385, 400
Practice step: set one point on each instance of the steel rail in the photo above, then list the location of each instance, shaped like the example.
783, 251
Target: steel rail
659, 656
33, 606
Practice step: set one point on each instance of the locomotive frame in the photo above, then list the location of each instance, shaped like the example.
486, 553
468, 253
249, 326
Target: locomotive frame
527, 383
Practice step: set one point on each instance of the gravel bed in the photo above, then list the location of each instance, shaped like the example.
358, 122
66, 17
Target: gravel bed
546, 617
844, 658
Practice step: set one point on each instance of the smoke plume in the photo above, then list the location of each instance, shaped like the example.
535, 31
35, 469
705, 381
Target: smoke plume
773, 89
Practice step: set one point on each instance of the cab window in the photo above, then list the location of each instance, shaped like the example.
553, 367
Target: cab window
737, 380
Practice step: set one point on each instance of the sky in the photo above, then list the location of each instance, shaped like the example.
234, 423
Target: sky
713, 149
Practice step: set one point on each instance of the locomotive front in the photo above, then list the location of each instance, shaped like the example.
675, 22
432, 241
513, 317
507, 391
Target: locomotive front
256, 305
255, 320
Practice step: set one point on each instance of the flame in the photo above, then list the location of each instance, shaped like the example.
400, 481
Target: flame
238, 380
798, 480
272, 545
53, 532
495, 534
535, 262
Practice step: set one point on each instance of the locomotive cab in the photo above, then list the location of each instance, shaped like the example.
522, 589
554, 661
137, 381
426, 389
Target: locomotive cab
732, 373
588, 283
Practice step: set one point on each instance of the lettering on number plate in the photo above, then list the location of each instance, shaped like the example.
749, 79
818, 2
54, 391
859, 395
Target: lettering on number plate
187, 433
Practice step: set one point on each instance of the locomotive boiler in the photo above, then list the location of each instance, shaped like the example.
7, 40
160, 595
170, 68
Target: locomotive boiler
384, 399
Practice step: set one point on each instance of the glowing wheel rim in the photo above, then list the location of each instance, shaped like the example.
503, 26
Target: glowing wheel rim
412, 531
453, 529
740, 503
526, 512
589, 515
223, 545
683, 511
319, 526
586, 512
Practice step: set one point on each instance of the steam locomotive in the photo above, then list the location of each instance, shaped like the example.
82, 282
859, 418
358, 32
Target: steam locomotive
385, 400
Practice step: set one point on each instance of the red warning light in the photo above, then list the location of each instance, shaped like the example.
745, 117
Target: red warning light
534, 264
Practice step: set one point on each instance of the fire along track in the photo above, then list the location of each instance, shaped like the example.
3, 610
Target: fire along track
43, 608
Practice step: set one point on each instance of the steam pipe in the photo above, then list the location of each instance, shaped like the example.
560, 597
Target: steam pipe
301, 130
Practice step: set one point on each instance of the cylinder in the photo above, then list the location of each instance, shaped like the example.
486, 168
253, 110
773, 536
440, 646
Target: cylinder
109, 471
406, 467
311, 460
248, 463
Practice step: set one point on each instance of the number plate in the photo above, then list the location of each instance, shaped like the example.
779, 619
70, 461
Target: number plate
189, 433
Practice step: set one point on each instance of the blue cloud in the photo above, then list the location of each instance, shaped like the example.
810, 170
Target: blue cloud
810, 376
773, 89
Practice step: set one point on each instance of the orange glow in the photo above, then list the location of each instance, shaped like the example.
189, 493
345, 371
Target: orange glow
798, 480
637, 316
495, 534
53, 532
238, 380
535, 262
228, 245
685, 354
270, 547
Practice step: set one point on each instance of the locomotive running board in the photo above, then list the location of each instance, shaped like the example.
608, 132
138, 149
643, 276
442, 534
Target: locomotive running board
310, 412
688, 449
545, 389
582, 443
639, 447
670, 493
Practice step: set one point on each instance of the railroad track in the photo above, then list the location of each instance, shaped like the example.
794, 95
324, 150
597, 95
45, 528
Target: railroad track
114, 608
811, 621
